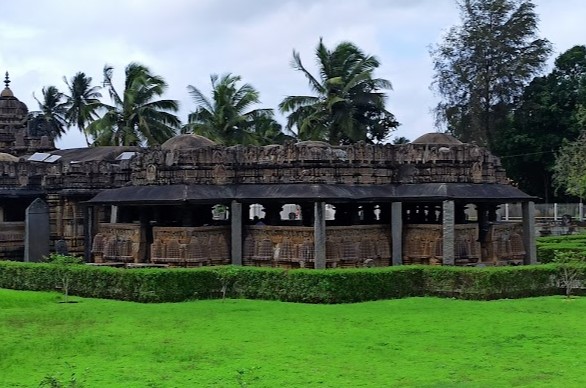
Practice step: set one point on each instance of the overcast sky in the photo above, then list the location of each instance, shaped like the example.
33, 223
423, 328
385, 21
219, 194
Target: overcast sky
187, 40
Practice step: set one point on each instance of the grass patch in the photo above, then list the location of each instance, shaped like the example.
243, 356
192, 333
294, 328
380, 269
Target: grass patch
423, 342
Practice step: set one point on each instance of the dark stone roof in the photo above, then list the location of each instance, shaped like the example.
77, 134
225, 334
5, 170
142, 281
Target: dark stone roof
187, 141
90, 154
175, 194
21, 192
437, 138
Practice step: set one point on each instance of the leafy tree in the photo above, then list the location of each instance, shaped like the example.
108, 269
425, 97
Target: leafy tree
401, 140
483, 65
268, 131
82, 102
569, 170
348, 106
551, 111
136, 116
570, 274
53, 110
226, 117
63, 263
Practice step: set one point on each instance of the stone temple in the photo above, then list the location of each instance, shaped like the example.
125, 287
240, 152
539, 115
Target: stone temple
189, 201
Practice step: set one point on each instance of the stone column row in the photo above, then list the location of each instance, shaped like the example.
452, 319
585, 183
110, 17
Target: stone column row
319, 233
448, 233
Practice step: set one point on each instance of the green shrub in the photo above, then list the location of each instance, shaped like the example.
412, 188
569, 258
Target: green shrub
308, 286
490, 283
571, 269
547, 246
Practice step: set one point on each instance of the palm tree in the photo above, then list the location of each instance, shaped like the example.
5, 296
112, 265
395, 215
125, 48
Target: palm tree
225, 117
82, 102
349, 105
268, 131
136, 117
53, 110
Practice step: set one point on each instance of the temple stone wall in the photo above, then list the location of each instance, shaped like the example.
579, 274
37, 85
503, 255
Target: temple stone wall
358, 164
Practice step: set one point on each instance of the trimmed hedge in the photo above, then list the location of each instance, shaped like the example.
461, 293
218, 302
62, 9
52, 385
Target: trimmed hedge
491, 283
308, 286
547, 246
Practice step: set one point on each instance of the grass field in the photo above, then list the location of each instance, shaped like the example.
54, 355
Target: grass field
423, 342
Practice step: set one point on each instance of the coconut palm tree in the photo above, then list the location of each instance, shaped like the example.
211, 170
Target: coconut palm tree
53, 110
226, 117
82, 102
136, 116
268, 131
348, 106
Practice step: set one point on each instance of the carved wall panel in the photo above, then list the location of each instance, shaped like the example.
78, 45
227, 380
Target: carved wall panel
119, 242
191, 245
292, 246
11, 240
422, 244
505, 243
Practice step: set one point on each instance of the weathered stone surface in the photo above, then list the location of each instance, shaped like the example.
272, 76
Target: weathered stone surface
448, 232
37, 233
528, 209
236, 232
320, 234
397, 233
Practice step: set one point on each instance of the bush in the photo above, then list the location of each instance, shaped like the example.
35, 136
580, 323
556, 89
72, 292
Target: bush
547, 246
571, 270
490, 283
308, 286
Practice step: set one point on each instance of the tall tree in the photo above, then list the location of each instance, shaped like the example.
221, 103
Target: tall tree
482, 66
82, 102
570, 167
268, 131
136, 116
53, 110
550, 111
349, 104
226, 117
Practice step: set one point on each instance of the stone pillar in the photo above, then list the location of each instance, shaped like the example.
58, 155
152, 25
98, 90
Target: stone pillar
236, 232
528, 209
114, 214
397, 233
88, 232
319, 231
448, 229
37, 231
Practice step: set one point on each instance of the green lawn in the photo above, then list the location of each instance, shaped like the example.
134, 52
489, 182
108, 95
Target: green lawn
422, 342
